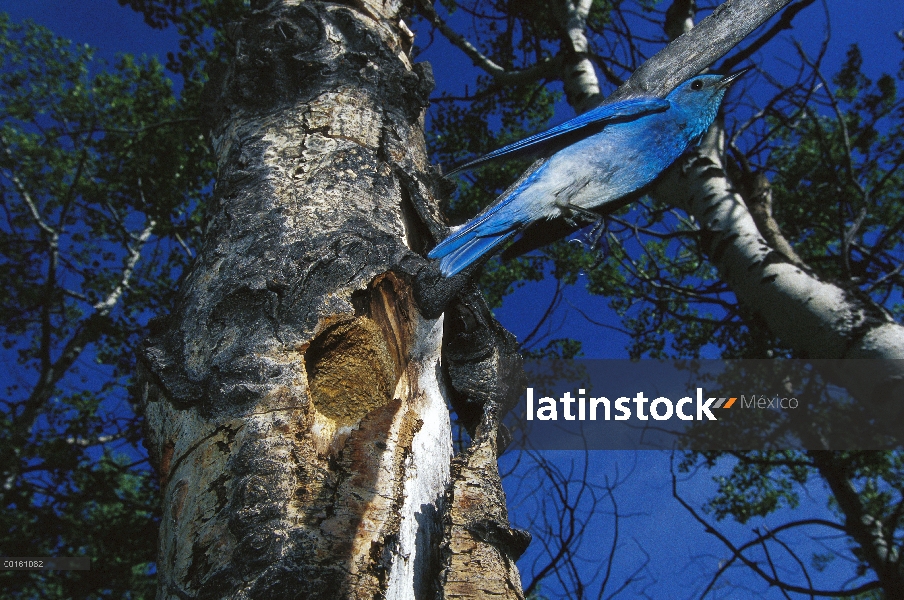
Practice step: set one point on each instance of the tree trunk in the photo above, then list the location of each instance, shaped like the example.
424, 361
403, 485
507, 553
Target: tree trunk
295, 400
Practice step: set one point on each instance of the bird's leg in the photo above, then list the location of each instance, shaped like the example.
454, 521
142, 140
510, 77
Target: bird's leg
589, 215
569, 211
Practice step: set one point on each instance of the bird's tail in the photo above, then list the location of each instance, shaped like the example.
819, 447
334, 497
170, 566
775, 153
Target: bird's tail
463, 248
488, 230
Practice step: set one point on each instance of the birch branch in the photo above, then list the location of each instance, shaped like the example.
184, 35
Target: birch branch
699, 48
582, 88
815, 318
106, 305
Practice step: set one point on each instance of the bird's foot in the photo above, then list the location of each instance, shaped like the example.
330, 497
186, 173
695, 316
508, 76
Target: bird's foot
571, 211
571, 222
595, 235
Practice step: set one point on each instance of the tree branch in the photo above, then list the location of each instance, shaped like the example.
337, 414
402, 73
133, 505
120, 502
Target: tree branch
816, 319
697, 49
104, 307
783, 23
863, 527
582, 88
738, 552
542, 69
49, 232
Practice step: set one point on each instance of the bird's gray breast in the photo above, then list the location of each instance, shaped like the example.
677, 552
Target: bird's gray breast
615, 162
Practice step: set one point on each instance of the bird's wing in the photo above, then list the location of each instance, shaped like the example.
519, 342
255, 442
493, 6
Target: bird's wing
575, 129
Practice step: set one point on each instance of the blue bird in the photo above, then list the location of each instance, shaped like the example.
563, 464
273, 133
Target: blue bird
612, 150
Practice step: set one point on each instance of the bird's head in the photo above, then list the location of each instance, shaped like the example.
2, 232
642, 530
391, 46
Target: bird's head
701, 96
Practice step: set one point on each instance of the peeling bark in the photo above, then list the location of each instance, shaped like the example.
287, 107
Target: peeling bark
477, 540
295, 399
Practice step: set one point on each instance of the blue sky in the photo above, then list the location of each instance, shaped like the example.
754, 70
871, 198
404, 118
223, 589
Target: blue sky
682, 555
103, 24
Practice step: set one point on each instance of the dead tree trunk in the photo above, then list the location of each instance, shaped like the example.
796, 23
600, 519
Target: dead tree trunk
296, 399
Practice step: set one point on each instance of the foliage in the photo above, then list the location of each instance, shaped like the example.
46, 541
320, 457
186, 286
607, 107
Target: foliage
201, 25
102, 170
851, 151
836, 163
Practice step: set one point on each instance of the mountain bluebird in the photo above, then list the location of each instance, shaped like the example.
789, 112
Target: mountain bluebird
612, 151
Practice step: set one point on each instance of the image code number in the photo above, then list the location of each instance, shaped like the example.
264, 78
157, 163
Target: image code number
45, 563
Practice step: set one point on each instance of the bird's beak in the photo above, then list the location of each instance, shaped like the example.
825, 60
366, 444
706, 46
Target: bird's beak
730, 78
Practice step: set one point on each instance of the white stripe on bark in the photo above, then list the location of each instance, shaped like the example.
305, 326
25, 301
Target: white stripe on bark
426, 475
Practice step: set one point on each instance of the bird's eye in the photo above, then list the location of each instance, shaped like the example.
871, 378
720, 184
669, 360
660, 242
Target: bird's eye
697, 85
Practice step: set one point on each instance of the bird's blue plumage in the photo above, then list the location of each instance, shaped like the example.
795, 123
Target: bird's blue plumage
619, 148
590, 121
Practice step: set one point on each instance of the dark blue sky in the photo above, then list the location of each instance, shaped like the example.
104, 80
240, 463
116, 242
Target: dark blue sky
101, 23
682, 555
